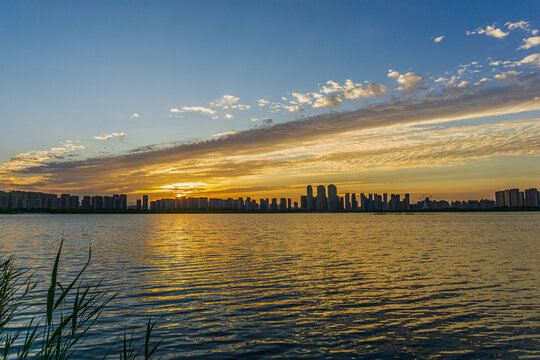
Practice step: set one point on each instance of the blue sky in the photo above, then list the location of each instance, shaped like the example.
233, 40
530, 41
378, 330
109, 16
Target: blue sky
74, 71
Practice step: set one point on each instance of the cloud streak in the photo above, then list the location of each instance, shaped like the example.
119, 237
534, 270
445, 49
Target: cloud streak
294, 147
110, 136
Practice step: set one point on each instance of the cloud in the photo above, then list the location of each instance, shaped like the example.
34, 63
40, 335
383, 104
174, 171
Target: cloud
302, 98
530, 42
409, 82
110, 136
293, 108
327, 101
201, 109
482, 81
533, 59
508, 75
438, 39
463, 84
226, 133
262, 102
349, 90
524, 25
369, 136
489, 30
225, 101
135, 115
39, 157
229, 116
254, 119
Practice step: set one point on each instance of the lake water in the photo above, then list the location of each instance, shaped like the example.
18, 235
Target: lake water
456, 285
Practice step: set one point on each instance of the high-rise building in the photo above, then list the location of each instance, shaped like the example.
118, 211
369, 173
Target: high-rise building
321, 198
145, 202
115, 202
532, 197
347, 202
65, 201
500, 199
407, 202
282, 204
354, 202
107, 202
513, 197
86, 202
332, 198
123, 201
309, 198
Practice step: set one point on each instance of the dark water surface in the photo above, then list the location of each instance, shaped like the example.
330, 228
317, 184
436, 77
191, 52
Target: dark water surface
460, 285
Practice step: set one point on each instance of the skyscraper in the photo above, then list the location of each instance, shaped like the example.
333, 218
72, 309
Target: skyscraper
145, 202
321, 197
532, 197
309, 197
123, 201
332, 198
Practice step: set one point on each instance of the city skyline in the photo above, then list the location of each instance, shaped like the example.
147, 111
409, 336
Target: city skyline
427, 99
326, 199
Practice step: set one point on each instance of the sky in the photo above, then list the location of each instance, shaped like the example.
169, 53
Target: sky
261, 98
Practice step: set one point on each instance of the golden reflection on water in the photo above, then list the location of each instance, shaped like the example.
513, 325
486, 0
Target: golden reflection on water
310, 284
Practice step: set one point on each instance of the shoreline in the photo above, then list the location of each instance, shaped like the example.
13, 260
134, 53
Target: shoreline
233, 211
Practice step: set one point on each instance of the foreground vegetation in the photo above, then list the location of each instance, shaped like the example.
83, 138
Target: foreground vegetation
70, 312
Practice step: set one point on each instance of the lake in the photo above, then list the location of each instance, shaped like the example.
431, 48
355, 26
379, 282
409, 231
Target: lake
332, 286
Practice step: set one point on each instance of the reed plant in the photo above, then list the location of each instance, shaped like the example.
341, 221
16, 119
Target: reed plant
70, 312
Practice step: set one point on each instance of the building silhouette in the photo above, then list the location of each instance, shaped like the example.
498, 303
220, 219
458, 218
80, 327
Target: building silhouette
321, 198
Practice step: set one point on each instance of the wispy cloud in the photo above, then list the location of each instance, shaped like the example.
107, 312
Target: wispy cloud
227, 102
226, 133
302, 98
368, 136
293, 108
524, 25
438, 39
110, 136
489, 30
30, 159
201, 109
327, 101
262, 102
135, 115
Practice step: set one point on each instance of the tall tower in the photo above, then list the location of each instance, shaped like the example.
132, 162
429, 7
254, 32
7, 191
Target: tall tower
321, 197
145, 202
309, 197
332, 198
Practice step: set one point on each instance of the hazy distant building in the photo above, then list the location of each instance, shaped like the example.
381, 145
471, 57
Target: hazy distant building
321, 198
145, 202
332, 198
139, 204
309, 198
86, 202
500, 199
532, 197
123, 201
354, 202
